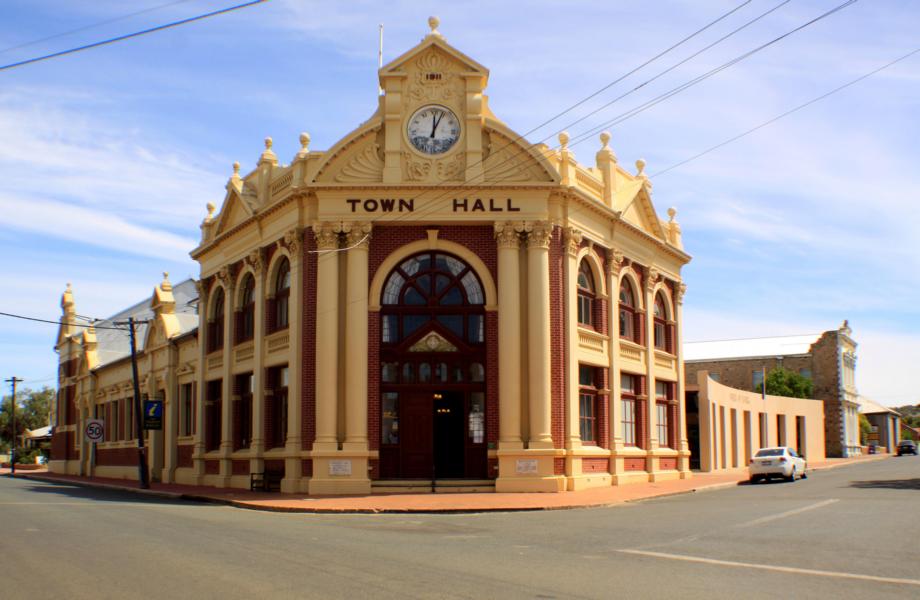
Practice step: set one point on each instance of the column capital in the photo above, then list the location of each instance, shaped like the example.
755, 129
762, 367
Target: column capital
224, 277
573, 239
508, 234
651, 278
357, 234
539, 233
255, 261
679, 295
327, 235
615, 262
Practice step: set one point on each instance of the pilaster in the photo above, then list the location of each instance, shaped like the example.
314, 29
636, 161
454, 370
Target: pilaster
257, 439
293, 446
327, 335
200, 383
508, 238
226, 404
539, 235
683, 448
572, 242
651, 405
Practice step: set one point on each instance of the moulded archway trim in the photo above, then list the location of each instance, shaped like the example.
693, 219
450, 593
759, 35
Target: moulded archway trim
432, 243
596, 270
630, 274
665, 291
238, 289
272, 270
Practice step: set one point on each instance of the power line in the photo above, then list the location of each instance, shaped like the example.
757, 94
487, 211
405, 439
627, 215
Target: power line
92, 26
130, 35
787, 113
453, 187
25, 318
687, 85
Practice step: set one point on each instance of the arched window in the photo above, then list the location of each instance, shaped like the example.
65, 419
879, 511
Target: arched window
585, 294
661, 325
282, 294
216, 322
627, 315
247, 310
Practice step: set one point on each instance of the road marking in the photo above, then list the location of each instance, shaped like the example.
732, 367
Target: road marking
788, 513
780, 569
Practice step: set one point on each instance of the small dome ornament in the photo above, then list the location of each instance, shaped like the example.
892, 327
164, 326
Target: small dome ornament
268, 143
211, 208
304, 144
433, 23
166, 286
672, 212
563, 140
640, 168
605, 140
236, 169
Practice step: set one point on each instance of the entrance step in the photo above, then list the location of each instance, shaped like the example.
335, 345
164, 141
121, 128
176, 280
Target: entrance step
441, 486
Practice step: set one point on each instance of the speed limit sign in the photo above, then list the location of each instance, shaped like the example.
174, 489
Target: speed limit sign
94, 430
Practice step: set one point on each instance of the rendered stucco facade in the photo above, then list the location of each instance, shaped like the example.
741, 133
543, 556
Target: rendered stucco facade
373, 316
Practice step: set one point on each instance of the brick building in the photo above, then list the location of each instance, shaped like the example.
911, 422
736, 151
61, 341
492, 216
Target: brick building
430, 302
828, 359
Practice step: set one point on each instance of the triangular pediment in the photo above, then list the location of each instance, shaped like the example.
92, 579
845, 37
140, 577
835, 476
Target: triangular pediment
435, 46
509, 158
232, 213
432, 342
633, 199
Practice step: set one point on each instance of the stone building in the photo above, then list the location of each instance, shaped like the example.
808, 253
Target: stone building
885, 423
828, 359
430, 302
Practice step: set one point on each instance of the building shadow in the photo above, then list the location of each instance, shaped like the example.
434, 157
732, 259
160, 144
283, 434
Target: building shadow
78, 492
891, 484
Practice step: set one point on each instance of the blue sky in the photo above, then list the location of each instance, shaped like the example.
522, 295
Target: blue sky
109, 156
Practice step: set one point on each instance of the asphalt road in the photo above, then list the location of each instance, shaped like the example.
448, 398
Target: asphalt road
852, 532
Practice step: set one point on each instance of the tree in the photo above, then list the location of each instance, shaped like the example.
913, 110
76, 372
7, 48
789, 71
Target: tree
33, 408
865, 428
783, 382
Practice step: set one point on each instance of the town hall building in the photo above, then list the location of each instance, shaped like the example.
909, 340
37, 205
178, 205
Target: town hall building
431, 302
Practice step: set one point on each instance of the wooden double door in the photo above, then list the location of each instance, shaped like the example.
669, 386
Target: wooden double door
441, 436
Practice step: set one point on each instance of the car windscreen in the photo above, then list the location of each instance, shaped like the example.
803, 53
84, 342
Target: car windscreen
770, 452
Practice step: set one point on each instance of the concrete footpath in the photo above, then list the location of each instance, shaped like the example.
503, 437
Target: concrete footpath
427, 502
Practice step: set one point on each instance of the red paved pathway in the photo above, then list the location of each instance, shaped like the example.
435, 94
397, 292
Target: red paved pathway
446, 502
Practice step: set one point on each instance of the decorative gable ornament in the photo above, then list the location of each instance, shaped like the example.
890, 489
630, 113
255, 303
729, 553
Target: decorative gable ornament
433, 342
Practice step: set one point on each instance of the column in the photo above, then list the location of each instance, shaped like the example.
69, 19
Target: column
293, 445
651, 278
573, 239
538, 321
226, 393
171, 410
614, 264
683, 448
257, 443
356, 335
327, 335
200, 383
508, 238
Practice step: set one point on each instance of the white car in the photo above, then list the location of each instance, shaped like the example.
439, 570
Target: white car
781, 461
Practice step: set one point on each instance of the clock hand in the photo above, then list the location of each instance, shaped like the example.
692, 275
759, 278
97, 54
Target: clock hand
438, 122
434, 125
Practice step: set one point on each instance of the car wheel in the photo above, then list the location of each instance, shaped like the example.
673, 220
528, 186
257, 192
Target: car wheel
754, 479
804, 475
791, 477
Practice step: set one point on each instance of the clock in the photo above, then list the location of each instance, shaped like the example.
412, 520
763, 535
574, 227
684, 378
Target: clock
433, 129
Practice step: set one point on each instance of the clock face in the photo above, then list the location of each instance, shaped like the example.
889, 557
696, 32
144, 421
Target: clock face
433, 129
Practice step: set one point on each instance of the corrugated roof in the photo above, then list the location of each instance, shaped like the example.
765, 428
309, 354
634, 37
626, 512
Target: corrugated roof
113, 345
869, 406
788, 345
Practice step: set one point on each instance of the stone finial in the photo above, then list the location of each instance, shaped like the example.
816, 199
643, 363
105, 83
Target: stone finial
605, 140
433, 23
640, 169
672, 212
211, 208
304, 145
67, 299
845, 327
166, 286
236, 168
268, 155
564, 140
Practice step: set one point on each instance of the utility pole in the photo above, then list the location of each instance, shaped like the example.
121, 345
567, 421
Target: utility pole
13, 381
142, 477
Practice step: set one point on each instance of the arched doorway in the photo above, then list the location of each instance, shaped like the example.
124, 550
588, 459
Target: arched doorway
432, 370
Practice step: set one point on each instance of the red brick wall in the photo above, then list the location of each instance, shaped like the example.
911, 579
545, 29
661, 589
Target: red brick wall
595, 465
212, 467
634, 463
241, 467
373, 380
558, 466
557, 336
116, 457
184, 455
603, 409
667, 464
308, 367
